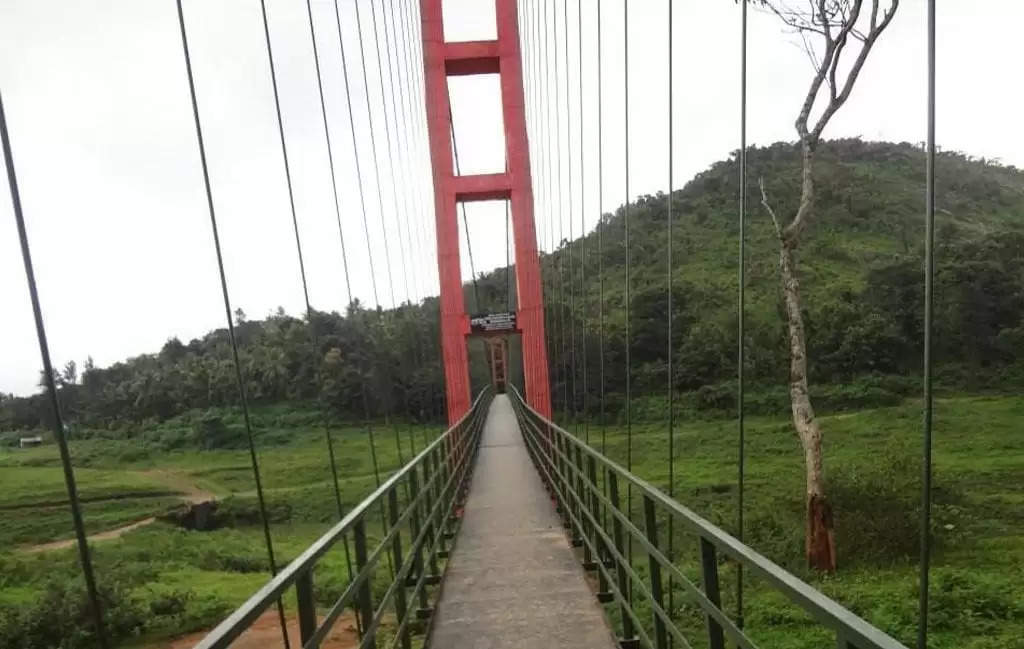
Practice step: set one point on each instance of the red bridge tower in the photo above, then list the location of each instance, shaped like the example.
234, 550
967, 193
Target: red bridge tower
502, 57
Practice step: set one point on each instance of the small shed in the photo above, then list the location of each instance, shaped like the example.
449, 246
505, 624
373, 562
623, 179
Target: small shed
30, 442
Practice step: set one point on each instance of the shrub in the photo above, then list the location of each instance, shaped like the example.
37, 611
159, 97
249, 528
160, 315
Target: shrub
878, 509
963, 601
232, 561
239, 511
212, 433
62, 617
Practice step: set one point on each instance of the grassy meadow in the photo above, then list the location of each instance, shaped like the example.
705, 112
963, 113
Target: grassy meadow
161, 580
873, 471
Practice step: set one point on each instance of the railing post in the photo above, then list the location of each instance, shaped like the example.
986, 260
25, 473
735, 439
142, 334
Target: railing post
561, 446
625, 603
589, 559
580, 502
424, 609
431, 471
843, 643
440, 518
396, 552
364, 595
307, 605
709, 570
651, 524
604, 595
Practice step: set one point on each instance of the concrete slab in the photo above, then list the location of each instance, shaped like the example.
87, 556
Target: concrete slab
514, 580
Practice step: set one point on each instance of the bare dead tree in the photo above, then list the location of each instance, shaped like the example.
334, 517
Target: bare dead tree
838, 36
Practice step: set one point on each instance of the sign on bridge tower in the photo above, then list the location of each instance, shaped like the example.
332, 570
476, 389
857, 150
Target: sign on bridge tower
502, 57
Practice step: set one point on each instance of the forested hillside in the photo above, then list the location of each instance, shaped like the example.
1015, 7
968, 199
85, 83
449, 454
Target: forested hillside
861, 271
862, 280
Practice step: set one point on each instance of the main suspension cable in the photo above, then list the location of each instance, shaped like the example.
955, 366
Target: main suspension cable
81, 540
230, 322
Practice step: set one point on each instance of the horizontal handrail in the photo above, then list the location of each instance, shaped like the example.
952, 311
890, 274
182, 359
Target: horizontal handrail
577, 492
450, 455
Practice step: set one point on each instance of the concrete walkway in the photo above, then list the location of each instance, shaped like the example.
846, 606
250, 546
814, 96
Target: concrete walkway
513, 580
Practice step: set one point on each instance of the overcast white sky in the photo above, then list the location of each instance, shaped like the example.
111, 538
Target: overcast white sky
98, 108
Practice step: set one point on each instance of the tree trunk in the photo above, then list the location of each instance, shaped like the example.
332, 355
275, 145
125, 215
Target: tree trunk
820, 540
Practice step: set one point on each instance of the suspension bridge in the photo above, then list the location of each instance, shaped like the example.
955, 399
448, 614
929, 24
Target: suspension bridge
508, 529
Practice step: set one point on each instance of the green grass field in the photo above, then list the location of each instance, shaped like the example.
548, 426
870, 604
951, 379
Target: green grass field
873, 469
170, 581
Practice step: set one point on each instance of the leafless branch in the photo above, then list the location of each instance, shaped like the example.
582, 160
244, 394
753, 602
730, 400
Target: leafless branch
833, 24
768, 208
851, 78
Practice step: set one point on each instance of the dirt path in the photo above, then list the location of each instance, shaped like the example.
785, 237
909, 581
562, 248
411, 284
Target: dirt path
188, 492
181, 483
266, 632
99, 536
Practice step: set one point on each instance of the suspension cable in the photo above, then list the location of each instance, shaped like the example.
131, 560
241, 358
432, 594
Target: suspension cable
400, 140
465, 221
373, 151
671, 306
544, 151
561, 219
411, 123
741, 307
569, 244
388, 387
84, 557
600, 236
369, 248
387, 135
231, 326
414, 28
309, 311
314, 338
409, 131
929, 251
583, 227
508, 257
625, 222
401, 144
530, 55
554, 209
355, 149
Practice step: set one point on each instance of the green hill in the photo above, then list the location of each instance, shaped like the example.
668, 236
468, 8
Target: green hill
860, 266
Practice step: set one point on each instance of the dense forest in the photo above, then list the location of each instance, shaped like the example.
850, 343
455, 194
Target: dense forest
862, 280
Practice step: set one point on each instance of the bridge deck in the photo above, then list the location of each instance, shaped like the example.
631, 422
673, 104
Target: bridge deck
513, 580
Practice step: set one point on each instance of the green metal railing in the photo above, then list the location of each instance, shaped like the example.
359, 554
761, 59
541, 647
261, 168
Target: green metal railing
588, 489
418, 505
